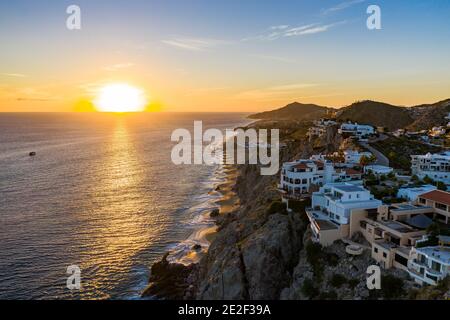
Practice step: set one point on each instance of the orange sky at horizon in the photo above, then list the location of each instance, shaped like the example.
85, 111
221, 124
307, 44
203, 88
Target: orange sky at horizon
186, 59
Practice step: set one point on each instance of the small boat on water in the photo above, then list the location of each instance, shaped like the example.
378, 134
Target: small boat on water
32, 154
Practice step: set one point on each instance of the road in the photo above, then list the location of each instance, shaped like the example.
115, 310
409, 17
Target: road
381, 158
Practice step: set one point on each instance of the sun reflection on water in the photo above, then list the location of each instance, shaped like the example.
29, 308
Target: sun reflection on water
119, 206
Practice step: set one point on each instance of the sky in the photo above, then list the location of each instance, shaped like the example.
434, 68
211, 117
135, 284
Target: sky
220, 56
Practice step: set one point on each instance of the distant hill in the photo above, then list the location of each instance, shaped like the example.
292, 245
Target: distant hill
378, 114
293, 111
427, 116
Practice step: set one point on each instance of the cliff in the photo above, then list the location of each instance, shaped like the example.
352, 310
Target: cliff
261, 251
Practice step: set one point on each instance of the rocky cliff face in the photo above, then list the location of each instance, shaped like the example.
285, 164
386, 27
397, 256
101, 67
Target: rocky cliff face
263, 252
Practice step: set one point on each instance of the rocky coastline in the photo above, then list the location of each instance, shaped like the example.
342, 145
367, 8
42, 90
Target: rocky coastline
262, 251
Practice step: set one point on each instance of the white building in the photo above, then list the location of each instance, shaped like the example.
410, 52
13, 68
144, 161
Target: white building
332, 207
338, 199
358, 130
412, 193
300, 178
320, 127
436, 132
435, 166
430, 264
354, 157
378, 170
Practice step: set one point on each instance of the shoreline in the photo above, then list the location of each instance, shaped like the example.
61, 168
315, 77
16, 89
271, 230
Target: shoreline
173, 270
171, 278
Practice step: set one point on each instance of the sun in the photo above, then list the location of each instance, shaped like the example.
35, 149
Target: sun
120, 97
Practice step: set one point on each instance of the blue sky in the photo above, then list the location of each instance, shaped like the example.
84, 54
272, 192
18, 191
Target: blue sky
251, 55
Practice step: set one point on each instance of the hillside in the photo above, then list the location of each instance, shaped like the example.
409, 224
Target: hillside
293, 111
378, 114
429, 115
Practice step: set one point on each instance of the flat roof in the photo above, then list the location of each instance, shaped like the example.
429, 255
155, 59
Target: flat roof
326, 225
439, 253
400, 227
349, 188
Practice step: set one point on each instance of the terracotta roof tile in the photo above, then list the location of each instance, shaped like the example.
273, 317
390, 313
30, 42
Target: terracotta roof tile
438, 196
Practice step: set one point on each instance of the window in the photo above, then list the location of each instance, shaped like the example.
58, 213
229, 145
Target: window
375, 249
384, 255
440, 206
436, 266
400, 259
431, 277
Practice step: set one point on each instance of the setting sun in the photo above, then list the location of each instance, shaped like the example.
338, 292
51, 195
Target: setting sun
120, 97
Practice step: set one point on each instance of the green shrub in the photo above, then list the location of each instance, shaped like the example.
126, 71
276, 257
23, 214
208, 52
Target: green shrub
299, 206
391, 287
352, 283
332, 259
309, 289
277, 207
441, 186
428, 180
337, 280
314, 255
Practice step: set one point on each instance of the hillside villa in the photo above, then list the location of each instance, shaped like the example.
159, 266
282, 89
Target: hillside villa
439, 201
332, 207
340, 210
412, 193
430, 264
354, 157
378, 170
300, 178
356, 130
435, 166
320, 127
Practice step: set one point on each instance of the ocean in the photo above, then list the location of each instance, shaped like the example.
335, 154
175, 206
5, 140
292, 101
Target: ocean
101, 193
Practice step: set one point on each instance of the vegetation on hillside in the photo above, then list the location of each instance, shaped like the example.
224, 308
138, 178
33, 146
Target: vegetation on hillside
399, 151
378, 114
294, 111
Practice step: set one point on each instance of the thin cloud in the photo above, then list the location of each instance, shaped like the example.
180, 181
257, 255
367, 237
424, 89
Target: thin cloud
342, 6
15, 75
194, 44
288, 31
280, 27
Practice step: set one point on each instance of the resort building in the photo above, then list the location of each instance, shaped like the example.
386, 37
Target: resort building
439, 201
435, 166
332, 208
357, 130
354, 157
437, 132
320, 127
378, 170
299, 178
392, 231
412, 193
429, 265
302, 177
